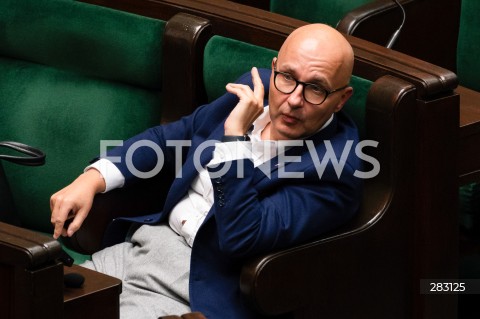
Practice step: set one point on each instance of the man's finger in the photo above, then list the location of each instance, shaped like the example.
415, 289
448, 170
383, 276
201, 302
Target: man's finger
57, 223
258, 89
59, 215
77, 222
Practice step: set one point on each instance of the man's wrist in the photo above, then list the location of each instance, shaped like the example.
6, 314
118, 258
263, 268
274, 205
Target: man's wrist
96, 179
111, 174
235, 138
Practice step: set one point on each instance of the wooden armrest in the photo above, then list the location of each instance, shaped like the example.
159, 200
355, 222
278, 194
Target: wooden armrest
23, 247
357, 16
97, 298
343, 262
289, 280
31, 277
33, 280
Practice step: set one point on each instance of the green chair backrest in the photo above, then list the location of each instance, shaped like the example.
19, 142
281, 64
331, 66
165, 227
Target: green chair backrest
468, 70
468, 66
72, 74
226, 59
326, 11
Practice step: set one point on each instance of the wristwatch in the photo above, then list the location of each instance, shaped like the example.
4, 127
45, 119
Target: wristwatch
235, 138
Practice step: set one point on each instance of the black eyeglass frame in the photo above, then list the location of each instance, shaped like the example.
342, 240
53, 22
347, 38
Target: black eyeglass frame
305, 84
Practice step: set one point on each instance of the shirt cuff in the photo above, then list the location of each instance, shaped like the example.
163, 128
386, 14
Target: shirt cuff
231, 151
111, 174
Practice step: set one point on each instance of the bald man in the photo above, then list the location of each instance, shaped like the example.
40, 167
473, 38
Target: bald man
259, 185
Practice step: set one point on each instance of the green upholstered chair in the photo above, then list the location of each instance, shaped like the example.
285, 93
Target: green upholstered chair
468, 64
468, 71
217, 71
72, 75
326, 11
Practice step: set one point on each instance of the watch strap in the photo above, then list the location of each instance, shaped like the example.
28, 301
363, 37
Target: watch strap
235, 138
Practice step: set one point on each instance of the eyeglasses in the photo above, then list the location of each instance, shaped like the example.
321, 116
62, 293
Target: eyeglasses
312, 93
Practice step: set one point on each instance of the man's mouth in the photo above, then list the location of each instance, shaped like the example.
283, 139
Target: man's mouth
289, 119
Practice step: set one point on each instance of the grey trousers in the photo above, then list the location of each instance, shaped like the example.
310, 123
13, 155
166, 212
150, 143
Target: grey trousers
154, 267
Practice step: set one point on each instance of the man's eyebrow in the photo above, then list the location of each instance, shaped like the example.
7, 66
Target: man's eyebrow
320, 81
317, 80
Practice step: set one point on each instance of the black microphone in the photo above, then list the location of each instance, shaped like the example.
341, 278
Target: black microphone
397, 32
73, 280
66, 259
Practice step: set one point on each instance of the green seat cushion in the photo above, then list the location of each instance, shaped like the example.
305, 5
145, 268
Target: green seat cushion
72, 74
468, 66
326, 11
219, 70
66, 115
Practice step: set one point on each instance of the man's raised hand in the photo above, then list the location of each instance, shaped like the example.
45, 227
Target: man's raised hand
248, 108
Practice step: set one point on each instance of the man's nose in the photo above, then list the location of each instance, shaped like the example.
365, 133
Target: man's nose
296, 97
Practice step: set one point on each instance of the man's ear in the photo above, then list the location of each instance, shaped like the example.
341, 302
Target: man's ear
272, 75
273, 62
346, 94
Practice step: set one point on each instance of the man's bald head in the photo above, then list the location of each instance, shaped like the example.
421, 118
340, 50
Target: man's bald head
320, 41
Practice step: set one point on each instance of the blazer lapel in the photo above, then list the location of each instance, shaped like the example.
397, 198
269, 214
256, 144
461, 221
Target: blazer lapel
269, 168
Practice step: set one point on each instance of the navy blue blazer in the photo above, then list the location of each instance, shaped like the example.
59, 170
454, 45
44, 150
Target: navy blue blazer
253, 214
